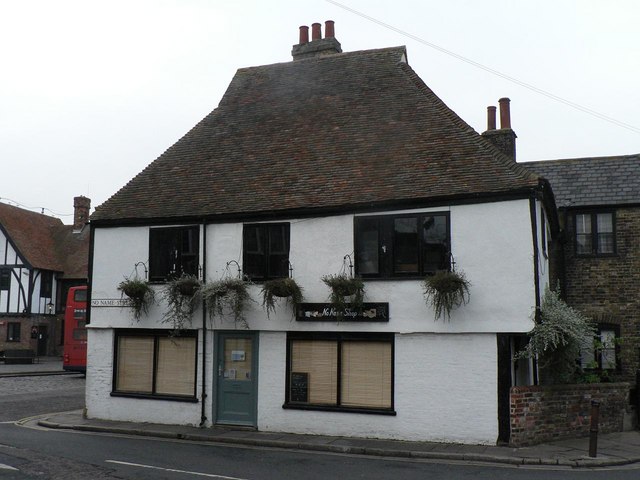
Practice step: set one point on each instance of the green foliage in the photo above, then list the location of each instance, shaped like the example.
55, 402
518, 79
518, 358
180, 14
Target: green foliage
446, 290
281, 288
182, 295
140, 293
343, 288
557, 338
227, 294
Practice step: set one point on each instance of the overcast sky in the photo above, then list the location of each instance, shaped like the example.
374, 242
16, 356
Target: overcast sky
93, 91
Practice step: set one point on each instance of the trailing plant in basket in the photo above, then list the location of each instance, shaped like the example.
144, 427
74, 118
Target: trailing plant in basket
227, 294
344, 287
182, 296
446, 290
140, 293
287, 288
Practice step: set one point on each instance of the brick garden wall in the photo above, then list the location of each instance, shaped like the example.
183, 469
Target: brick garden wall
544, 413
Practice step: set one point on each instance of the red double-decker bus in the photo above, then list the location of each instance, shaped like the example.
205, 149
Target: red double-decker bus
75, 331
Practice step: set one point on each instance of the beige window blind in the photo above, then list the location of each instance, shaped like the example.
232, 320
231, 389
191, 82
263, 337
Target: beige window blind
176, 366
135, 364
366, 374
319, 360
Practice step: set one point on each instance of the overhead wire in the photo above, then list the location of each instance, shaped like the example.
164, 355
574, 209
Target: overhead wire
493, 71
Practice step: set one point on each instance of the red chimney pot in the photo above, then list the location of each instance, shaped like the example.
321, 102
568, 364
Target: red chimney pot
491, 118
505, 114
316, 34
304, 34
329, 30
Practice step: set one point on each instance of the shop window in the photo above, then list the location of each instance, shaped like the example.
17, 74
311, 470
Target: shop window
13, 332
46, 284
402, 245
5, 278
265, 251
601, 352
340, 372
595, 233
155, 364
173, 252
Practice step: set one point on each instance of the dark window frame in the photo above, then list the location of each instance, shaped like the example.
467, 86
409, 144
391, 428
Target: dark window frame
387, 251
46, 284
593, 218
156, 335
597, 352
266, 271
340, 338
5, 278
11, 326
168, 257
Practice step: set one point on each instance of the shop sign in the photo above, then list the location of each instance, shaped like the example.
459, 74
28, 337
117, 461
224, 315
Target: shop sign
322, 312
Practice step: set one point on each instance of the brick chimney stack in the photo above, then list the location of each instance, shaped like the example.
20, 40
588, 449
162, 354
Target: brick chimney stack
81, 207
318, 46
504, 138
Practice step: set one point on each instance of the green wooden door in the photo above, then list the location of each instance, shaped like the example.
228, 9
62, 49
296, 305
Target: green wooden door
237, 378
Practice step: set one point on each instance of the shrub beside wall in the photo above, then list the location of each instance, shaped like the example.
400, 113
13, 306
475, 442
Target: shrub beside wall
544, 413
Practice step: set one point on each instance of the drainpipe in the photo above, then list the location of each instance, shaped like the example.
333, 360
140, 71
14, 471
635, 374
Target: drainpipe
203, 395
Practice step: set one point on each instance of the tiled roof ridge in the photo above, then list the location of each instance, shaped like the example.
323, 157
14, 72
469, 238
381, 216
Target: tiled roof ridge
603, 158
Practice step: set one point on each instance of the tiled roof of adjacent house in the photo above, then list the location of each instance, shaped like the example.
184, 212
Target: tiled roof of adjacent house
45, 242
348, 130
32, 235
596, 181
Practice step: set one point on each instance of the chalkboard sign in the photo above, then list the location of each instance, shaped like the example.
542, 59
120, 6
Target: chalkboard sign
299, 387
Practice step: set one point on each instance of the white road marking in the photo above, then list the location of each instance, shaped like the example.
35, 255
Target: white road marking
7, 467
200, 474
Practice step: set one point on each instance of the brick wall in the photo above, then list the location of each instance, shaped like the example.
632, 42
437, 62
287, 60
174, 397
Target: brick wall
607, 289
544, 413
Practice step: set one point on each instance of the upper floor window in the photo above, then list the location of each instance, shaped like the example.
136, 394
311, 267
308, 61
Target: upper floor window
46, 284
402, 245
5, 278
173, 252
265, 248
595, 233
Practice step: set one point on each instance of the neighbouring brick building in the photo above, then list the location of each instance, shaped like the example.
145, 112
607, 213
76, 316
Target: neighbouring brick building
599, 263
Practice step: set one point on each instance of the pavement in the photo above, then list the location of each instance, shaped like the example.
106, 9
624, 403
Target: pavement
613, 449
40, 366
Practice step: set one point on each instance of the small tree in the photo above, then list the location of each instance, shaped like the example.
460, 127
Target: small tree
557, 338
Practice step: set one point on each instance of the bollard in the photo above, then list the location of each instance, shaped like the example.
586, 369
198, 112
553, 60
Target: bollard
593, 429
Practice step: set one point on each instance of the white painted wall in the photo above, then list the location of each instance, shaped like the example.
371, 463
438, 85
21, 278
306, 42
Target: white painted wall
491, 243
445, 390
445, 371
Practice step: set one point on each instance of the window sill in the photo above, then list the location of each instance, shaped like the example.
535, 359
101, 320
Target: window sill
326, 408
145, 396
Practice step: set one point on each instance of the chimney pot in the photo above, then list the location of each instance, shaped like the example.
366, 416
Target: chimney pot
304, 34
505, 114
491, 118
329, 29
316, 34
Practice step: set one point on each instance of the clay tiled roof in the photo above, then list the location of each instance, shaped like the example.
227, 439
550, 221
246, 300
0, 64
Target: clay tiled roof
32, 234
349, 130
594, 181
45, 243
72, 247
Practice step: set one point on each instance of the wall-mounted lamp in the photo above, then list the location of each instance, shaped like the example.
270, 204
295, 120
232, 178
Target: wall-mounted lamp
50, 306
